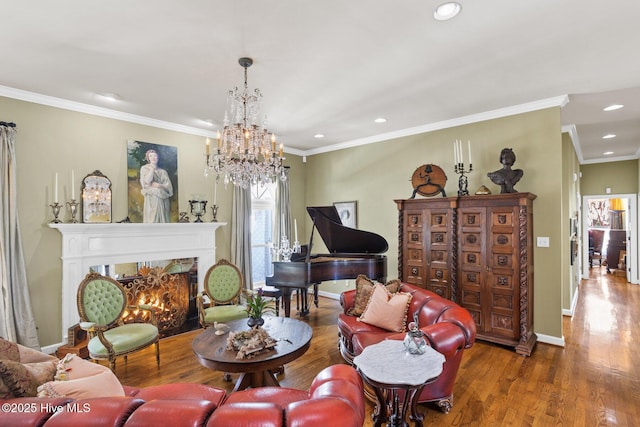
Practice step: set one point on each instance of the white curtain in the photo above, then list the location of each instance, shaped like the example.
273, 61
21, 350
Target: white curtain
241, 233
16, 317
283, 211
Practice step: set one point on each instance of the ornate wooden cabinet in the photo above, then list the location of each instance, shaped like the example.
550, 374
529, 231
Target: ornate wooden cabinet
427, 249
478, 252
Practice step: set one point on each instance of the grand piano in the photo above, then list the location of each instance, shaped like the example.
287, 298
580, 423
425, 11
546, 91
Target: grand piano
351, 252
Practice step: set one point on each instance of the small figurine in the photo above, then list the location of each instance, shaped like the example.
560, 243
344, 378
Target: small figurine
506, 177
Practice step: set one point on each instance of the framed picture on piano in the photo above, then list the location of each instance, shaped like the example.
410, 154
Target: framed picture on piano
348, 212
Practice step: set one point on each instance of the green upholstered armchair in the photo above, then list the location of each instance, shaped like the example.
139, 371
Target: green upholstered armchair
223, 287
101, 302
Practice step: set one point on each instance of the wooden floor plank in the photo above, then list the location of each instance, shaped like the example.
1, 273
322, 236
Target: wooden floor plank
593, 381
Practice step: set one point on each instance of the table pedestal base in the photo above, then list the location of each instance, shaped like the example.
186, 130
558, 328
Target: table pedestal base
392, 405
256, 379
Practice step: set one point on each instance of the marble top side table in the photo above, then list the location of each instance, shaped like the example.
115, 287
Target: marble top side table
394, 374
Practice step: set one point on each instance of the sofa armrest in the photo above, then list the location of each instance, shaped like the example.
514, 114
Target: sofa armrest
446, 338
347, 300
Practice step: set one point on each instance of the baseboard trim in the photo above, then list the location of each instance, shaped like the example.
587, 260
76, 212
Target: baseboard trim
51, 349
548, 339
329, 295
574, 302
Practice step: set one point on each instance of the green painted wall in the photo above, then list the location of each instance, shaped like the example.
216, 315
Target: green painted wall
622, 177
374, 175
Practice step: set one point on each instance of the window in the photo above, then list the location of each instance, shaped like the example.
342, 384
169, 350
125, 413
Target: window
262, 214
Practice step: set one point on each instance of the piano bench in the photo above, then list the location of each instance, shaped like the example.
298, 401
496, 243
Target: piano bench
270, 291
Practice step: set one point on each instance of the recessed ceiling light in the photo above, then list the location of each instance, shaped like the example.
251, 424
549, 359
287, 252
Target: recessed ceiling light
608, 153
110, 96
613, 107
318, 135
609, 136
380, 120
446, 11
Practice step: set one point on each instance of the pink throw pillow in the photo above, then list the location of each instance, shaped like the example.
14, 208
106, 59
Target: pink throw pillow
387, 311
81, 379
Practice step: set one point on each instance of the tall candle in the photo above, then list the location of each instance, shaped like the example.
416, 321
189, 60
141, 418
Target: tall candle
215, 192
207, 143
295, 229
455, 153
73, 180
281, 149
55, 194
469, 147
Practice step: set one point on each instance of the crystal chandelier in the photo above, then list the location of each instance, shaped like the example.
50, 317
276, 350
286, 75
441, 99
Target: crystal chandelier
246, 152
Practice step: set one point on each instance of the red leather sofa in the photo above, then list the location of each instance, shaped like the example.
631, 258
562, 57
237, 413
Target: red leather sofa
448, 328
334, 398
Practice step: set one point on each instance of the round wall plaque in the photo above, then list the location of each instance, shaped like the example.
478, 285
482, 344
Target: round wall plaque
428, 180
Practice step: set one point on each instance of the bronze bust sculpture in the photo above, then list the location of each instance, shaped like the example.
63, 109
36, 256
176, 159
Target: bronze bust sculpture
506, 177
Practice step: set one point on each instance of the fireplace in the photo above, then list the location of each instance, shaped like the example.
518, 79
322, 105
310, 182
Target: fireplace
87, 245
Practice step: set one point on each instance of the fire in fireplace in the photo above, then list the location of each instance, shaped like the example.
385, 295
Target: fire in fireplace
169, 295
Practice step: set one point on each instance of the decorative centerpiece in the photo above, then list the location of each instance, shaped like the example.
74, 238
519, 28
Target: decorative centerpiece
257, 306
414, 341
250, 343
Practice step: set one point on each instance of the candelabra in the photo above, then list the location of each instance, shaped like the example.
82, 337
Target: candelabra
73, 207
214, 211
284, 250
462, 181
198, 208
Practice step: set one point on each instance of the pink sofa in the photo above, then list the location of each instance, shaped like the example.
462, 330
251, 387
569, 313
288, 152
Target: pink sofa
334, 398
448, 328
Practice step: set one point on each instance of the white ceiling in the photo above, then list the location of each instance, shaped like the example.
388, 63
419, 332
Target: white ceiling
332, 66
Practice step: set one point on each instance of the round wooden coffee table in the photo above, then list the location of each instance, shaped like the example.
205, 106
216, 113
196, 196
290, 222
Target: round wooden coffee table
293, 336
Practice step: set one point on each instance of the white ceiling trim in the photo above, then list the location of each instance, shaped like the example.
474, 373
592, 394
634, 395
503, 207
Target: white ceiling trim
51, 101
558, 101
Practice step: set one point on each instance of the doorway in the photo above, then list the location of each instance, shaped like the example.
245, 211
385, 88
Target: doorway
614, 216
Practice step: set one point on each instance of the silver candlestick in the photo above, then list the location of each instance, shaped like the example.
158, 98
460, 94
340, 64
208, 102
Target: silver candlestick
214, 211
55, 207
73, 207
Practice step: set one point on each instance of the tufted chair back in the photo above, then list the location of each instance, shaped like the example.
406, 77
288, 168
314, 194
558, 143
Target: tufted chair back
101, 300
223, 283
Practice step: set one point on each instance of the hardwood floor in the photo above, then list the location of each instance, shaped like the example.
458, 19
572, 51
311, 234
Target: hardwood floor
593, 381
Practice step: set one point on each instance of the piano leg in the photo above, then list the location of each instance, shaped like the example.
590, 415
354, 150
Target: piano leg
315, 294
286, 300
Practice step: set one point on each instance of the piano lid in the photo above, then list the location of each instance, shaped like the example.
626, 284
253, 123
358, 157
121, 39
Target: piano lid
342, 239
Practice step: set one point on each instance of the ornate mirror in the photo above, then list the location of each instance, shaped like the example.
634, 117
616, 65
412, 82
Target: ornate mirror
96, 198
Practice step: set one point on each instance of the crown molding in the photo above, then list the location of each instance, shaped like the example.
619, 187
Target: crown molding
558, 101
23, 95
79, 107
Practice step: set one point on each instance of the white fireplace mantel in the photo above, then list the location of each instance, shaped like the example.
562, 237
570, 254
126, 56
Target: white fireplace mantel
87, 245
